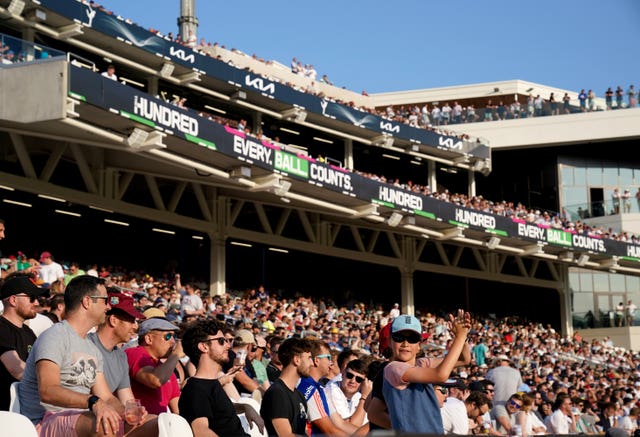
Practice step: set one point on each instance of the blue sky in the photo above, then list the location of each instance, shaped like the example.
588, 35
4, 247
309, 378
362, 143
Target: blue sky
417, 44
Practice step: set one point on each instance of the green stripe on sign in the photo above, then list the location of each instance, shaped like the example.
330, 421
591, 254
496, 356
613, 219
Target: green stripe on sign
630, 258
383, 203
463, 225
137, 118
497, 232
424, 214
201, 142
77, 96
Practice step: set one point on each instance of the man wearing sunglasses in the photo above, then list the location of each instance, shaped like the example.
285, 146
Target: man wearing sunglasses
119, 327
64, 390
407, 381
152, 364
322, 414
506, 414
349, 393
19, 297
203, 402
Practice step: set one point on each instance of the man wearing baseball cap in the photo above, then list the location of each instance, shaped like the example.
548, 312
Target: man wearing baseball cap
49, 270
19, 296
245, 381
152, 364
118, 328
407, 385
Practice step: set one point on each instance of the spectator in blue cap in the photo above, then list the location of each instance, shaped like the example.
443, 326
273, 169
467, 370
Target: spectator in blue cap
407, 385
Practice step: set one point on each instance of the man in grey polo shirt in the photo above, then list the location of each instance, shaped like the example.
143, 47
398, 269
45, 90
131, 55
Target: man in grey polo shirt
119, 327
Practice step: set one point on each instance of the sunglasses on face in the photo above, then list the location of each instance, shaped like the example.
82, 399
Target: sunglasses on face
410, 337
168, 336
221, 340
32, 299
350, 375
516, 405
442, 390
104, 298
327, 356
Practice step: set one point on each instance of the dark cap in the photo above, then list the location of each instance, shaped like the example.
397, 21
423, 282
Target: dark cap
453, 383
20, 284
124, 303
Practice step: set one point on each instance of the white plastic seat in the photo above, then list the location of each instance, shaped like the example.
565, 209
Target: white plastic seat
253, 432
15, 424
14, 403
173, 425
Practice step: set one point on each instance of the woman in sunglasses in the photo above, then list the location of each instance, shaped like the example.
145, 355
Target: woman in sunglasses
407, 385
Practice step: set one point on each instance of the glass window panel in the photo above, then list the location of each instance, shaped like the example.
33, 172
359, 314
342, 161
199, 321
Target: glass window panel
600, 282
633, 283
580, 176
582, 303
574, 281
608, 202
594, 176
610, 176
572, 198
617, 282
586, 281
566, 175
626, 178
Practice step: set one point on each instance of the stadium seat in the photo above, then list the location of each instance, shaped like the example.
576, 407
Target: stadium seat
173, 425
14, 403
15, 424
253, 432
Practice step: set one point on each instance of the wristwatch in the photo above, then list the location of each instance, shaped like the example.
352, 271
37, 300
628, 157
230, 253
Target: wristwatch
92, 401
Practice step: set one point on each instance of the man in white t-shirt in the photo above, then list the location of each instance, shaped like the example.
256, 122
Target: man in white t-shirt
49, 271
395, 311
110, 73
192, 305
350, 392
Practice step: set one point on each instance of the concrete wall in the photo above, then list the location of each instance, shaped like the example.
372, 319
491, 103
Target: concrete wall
560, 129
629, 222
628, 338
47, 88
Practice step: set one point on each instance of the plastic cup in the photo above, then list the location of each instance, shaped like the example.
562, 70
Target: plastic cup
241, 356
133, 412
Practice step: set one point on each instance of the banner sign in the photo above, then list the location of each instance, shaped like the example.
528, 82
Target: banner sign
118, 28
131, 103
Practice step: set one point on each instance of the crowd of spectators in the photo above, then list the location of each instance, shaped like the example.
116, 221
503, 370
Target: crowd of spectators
595, 374
437, 114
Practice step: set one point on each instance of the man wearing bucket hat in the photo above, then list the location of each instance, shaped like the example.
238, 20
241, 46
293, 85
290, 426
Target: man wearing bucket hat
407, 385
506, 379
152, 364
